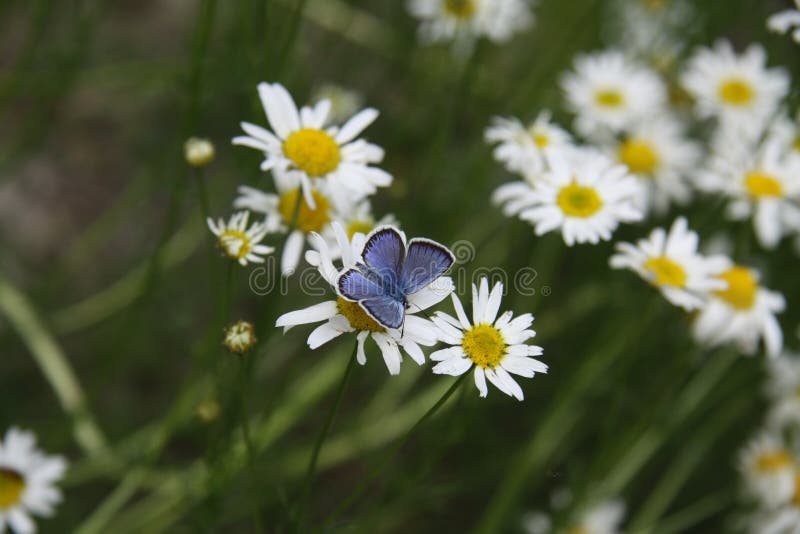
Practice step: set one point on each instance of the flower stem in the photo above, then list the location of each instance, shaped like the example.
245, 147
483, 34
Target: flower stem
364, 485
245, 367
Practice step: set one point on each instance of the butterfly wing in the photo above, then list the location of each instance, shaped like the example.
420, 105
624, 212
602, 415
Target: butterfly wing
383, 255
385, 309
354, 286
425, 261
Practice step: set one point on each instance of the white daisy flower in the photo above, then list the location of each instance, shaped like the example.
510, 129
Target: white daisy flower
737, 89
768, 469
466, 20
603, 518
27, 481
761, 182
494, 346
608, 92
585, 195
300, 146
660, 155
238, 241
341, 316
672, 263
786, 21
783, 520
288, 209
744, 313
521, 148
240, 337
783, 390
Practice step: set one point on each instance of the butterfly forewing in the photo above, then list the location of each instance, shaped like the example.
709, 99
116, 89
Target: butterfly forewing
383, 256
425, 261
353, 285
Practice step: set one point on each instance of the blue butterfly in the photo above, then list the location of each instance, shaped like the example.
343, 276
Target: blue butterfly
391, 272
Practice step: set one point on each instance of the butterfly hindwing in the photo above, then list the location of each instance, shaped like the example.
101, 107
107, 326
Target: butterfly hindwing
425, 261
384, 253
353, 285
386, 310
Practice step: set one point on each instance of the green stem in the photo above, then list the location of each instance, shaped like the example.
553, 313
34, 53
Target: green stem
244, 371
364, 485
294, 26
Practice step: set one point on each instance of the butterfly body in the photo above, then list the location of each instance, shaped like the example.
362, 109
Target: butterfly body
390, 272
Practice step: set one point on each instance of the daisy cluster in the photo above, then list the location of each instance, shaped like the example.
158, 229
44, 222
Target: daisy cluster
602, 517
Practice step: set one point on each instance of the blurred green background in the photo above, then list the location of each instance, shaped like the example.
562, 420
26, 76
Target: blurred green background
102, 234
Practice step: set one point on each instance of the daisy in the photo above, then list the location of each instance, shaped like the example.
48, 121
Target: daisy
783, 390
784, 520
603, 518
743, 314
339, 316
768, 469
671, 263
739, 89
608, 92
466, 20
494, 346
585, 195
657, 152
27, 481
761, 182
521, 148
288, 211
300, 146
238, 241
786, 21
240, 337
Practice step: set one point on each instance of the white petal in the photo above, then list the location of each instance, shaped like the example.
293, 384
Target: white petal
313, 314
356, 125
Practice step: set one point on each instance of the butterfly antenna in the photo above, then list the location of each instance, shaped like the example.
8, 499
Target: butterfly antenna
420, 309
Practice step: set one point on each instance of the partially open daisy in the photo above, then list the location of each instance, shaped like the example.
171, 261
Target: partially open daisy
521, 148
761, 182
608, 91
288, 211
239, 241
300, 145
466, 20
27, 481
743, 314
737, 89
671, 262
585, 196
339, 316
494, 346
768, 468
786, 21
658, 153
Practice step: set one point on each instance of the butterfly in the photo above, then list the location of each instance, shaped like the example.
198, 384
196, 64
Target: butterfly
391, 272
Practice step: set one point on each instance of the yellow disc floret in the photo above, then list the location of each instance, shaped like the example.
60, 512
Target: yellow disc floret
357, 317
639, 156
579, 201
609, 98
461, 9
308, 220
484, 345
760, 184
312, 151
362, 227
666, 272
12, 485
234, 243
772, 461
736, 92
742, 288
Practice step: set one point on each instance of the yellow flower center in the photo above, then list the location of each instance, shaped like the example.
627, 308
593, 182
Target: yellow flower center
666, 272
357, 317
308, 220
540, 139
796, 496
654, 4
235, 244
484, 345
736, 92
579, 201
772, 461
609, 98
578, 530
761, 185
461, 9
742, 288
312, 151
796, 145
11, 487
639, 156
362, 227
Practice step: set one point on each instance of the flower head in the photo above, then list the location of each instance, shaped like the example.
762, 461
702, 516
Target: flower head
240, 242
240, 337
768, 467
198, 152
494, 346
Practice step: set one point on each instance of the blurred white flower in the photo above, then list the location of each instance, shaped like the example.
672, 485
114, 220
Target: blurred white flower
238, 241
494, 346
672, 263
339, 316
604, 517
522, 148
609, 92
27, 481
198, 152
786, 21
584, 195
240, 337
344, 102
768, 469
743, 314
301, 147
737, 89
783, 390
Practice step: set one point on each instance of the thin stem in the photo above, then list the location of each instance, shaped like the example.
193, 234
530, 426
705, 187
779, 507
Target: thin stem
364, 485
312, 463
294, 26
202, 194
245, 366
